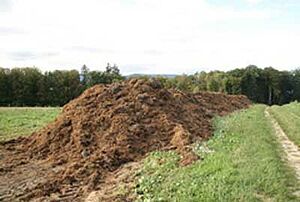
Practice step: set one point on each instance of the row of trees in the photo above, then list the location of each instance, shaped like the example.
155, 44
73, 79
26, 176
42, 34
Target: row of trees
31, 87
268, 85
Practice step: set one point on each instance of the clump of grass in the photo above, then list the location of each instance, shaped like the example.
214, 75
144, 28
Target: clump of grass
242, 162
15, 122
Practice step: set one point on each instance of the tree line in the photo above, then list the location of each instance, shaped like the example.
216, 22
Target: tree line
268, 85
31, 87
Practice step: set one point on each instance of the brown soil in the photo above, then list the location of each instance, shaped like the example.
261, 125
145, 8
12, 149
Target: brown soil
102, 130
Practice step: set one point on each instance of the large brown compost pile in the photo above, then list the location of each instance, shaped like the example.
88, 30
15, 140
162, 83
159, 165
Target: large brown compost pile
108, 126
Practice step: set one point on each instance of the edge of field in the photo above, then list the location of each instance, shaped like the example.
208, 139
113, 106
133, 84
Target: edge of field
288, 117
242, 162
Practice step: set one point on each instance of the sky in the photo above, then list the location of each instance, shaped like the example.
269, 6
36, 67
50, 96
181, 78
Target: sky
150, 36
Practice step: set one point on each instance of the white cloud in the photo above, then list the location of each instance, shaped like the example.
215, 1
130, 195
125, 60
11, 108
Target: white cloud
152, 36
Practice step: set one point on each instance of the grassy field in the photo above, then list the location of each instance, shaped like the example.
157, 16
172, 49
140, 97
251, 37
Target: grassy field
15, 122
288, 116
242, 162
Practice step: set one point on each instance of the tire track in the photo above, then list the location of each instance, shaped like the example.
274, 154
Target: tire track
292, 151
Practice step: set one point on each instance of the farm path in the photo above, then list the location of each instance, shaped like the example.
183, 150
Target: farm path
292, 152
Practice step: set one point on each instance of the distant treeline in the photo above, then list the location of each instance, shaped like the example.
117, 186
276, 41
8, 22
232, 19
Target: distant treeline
31, 87
268, 85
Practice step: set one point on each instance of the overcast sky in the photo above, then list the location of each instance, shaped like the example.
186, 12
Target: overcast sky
150, 36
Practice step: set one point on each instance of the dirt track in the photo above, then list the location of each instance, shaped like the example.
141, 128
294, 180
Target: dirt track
103, 130
292, 152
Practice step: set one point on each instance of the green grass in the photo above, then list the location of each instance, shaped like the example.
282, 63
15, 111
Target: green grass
242, 162
16, 122
288, 116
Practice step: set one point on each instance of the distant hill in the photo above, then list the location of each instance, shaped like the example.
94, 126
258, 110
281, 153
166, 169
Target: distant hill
151, 75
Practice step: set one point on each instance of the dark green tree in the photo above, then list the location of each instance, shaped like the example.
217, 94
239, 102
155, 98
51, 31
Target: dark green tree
5, 87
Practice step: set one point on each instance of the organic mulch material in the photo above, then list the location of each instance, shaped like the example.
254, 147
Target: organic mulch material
103, 129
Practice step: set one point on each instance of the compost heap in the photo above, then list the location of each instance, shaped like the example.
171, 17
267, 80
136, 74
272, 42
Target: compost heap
110, 125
